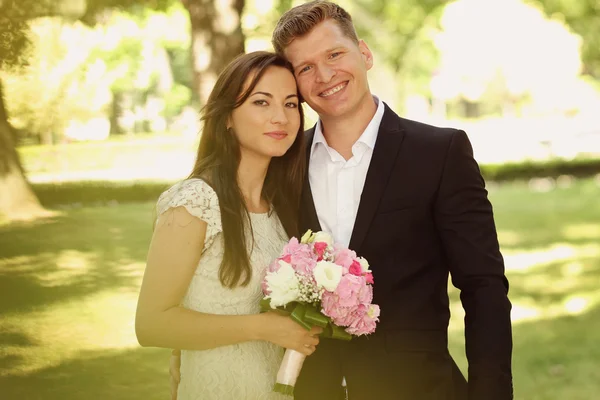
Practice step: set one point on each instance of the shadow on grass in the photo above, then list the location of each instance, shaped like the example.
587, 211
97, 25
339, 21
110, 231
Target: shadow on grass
137, 374
76, 254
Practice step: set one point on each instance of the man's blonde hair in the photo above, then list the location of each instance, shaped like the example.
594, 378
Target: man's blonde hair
300, 20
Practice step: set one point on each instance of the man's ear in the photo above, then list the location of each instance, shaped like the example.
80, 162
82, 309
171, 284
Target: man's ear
366, 53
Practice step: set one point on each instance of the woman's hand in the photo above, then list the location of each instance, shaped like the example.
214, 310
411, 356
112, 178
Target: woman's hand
285, 332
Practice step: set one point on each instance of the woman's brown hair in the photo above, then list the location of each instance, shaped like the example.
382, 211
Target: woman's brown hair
219, 156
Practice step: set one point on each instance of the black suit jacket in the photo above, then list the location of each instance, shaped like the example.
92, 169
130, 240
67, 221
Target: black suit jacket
423, 214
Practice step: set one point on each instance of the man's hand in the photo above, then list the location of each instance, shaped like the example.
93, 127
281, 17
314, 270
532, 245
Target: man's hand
174, 364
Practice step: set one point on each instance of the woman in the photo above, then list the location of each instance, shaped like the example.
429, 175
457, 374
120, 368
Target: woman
218, 230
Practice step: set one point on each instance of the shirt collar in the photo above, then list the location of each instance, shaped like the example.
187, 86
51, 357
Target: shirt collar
368, 137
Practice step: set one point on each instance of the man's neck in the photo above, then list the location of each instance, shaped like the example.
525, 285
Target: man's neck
342, 132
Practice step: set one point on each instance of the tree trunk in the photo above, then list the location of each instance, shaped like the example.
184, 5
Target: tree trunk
17, 200
216, 39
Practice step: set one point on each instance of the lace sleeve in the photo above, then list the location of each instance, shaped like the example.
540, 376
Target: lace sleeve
200, 200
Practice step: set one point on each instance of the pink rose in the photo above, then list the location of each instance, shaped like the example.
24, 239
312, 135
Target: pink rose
287, 258
320, 248
355, 268
369, 278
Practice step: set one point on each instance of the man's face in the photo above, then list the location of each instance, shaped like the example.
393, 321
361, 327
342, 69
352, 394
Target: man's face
331, 70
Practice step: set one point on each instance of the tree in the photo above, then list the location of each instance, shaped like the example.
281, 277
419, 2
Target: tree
400, 32
17, 200
583, 17
217, 38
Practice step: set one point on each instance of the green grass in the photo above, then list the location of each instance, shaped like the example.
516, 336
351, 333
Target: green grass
118, 152
551, 245
68, 288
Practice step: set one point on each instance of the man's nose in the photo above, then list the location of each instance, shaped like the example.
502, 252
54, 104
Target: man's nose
324, 74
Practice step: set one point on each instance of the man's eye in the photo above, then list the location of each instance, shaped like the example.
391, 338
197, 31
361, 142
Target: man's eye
305, 69
333, 55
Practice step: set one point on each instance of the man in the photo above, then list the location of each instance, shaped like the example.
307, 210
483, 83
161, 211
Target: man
409, 198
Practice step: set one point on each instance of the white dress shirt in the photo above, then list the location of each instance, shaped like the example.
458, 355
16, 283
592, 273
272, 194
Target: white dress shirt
337, 184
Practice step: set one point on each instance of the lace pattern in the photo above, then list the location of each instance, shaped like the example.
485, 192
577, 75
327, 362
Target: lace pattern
244, 371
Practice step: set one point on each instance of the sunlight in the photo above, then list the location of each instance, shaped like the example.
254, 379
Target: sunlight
521, 261
576, 305
503, 51
71, 265
582, 231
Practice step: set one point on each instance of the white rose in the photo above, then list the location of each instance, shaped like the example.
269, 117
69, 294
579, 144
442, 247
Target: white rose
323, 237
364, 264
308, 237
327, 275
283, 284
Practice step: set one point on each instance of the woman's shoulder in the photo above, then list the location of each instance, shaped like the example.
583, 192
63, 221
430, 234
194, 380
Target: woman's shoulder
195, 194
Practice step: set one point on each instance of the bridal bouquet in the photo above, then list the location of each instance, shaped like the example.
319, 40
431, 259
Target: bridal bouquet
319, 283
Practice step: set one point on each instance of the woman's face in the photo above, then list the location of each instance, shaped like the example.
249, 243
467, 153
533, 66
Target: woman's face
267, 123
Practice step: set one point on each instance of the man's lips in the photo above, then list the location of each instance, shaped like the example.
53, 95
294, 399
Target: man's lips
334, 89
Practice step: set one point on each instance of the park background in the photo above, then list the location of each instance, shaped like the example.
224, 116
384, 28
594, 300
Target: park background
99, 113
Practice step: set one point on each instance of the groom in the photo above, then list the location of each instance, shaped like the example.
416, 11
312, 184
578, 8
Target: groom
409, 198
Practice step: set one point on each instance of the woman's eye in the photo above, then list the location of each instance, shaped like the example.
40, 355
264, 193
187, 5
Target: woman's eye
260, 102
292, 105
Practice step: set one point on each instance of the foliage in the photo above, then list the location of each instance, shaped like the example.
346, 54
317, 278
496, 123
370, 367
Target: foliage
584, 167
98, 192
583, 17
14, 15
75, 72
57, 84
401, 32
176, 99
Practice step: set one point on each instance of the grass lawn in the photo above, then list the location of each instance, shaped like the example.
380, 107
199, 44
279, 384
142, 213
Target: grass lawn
68, 288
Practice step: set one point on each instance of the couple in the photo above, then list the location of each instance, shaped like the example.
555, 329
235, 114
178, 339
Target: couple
406, 196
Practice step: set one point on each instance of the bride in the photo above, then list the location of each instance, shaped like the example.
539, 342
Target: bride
218, 230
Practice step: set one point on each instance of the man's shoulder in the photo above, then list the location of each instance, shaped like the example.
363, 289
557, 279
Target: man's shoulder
410, 126
414, 127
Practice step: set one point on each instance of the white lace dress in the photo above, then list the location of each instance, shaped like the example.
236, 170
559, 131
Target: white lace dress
244, 371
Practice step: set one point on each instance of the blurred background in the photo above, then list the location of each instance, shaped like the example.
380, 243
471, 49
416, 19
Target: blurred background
99, 113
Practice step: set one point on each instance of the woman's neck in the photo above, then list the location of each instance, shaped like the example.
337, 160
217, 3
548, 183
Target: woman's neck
251, 179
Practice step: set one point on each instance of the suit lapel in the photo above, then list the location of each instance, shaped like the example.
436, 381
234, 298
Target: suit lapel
384, 157
308, 215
